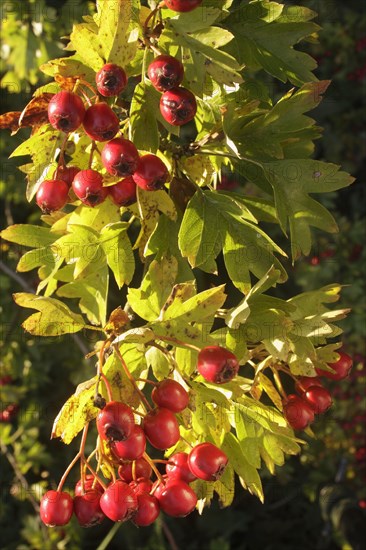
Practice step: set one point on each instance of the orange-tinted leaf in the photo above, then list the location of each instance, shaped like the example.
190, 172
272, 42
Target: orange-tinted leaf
10, 120
35, 113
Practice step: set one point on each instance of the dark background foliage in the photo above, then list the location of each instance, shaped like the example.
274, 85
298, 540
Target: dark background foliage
316, 501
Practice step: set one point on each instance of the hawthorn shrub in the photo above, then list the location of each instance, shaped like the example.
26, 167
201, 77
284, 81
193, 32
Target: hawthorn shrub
145, 246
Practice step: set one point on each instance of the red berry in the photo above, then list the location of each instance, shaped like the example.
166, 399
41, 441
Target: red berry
131, 448
123, 193
171, 395
141, 485
318, 398
182, 5
87, 509
135, 470
66, 174
6, 380
206, 461
66, 111
9, 412
297, 412
115, 422
165, 72
56, 508
305, 382
217, 364
101, 122
177, 468
151, 173
111, 79
118, 502
341, 367
161, 428
120, 157
148, 509
88, 187
88, 486
176, 498
52, 195
178, 106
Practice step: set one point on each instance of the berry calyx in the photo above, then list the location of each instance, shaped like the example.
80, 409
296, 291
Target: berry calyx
87, 509
217, 364
118, 502
206, 461
148, 509
66, 111
56, 508
52, 195
161, 428
115, 422
151, 173
88, 486
66, 174
131, 448
88, 187
165, 72
135, 470
111, 79
178, 468
177, 498
171, 395
182, 5
297, 412
100, 122
341, 367
120, 157
123, 192
178, 106
319, 399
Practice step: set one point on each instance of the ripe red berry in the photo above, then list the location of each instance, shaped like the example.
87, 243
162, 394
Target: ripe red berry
120, 157
88, 486
217, 364
341, 367
100, 122
9, 412
123, 192
118, 502
56, 508
171, 395
297, 412
115, 422
66, 111
111, 79
178, 106
161, 428
87, 509
66, 174
131, 448
177, 498
135, 470
165, 72
52, 195
182, 5
148, 509
151, 173
318, 398
206, 461
305, 382
88, 187
6, 380
177, 467
141, 485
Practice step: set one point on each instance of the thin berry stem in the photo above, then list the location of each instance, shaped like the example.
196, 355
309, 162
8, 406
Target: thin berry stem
75, 459
154, 468
131, 378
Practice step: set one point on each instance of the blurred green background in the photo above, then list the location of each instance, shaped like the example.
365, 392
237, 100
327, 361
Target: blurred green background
318, 500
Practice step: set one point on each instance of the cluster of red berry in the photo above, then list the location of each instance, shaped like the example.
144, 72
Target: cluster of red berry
134, 496
8, 411
311, 397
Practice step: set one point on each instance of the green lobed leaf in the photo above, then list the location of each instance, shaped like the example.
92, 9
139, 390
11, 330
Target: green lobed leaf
33, 236
118, 250
54, 317
142, 117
